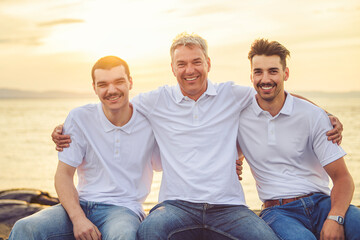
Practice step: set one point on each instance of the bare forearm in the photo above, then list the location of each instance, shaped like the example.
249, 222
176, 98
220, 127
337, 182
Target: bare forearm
83, 228
68, 195
341, 195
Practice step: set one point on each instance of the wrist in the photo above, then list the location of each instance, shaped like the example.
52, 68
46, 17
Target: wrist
339, 219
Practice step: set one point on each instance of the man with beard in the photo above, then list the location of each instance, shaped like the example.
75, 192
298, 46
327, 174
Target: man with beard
283, 139
114, 177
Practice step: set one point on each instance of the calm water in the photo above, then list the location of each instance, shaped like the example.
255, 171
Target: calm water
28, 158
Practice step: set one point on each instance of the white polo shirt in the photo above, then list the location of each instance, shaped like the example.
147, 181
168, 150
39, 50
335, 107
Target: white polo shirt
197, 141
287, 152
114, 164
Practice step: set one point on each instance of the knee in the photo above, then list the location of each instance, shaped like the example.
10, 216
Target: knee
23, 227
121, 234
120, 230
149, 230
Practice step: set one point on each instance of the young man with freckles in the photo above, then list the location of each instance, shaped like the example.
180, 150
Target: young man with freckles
195, 124
113, 151
283, 138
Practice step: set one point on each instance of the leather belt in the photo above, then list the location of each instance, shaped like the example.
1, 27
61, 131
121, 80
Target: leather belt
279, 202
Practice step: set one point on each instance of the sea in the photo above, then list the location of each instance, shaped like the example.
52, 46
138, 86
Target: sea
28, 158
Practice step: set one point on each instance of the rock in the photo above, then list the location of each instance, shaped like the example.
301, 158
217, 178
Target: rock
29, 195
18, 203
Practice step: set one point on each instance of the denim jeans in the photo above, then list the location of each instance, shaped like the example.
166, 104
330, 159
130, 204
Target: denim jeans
114, 222
181, 220
304, 218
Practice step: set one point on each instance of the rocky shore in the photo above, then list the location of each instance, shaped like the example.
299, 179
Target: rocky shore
19, 203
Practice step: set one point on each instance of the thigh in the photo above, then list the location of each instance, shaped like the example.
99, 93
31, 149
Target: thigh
170, 220
116, 222
352, 217
236, 222
286, 223
352, 223
50, 223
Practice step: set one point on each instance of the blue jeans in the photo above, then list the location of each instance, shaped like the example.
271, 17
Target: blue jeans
53, 223
304, 218
181, 220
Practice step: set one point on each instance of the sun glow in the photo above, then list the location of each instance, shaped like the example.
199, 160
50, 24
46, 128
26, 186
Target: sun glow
121, 28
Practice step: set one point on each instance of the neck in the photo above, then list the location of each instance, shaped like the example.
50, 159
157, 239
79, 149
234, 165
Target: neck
119, 117
274, 106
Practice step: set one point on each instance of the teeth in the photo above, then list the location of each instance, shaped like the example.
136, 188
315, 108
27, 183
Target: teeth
190, 79
113, 98
266, 88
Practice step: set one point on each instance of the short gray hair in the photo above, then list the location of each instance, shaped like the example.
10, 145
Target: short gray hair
185, 39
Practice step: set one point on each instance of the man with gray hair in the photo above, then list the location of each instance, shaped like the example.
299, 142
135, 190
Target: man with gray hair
195, 124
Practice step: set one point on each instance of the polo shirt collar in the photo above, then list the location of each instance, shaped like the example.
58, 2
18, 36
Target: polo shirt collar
286, 109
108, 126
179, 96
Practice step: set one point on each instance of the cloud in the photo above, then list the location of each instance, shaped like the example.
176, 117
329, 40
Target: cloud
210, 9
30, 41
60, 22
17, 31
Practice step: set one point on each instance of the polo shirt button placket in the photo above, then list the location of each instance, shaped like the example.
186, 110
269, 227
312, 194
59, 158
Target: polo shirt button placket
117, 143
196, 114
271, 132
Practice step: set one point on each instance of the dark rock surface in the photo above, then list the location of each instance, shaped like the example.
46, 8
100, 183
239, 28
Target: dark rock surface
18, 203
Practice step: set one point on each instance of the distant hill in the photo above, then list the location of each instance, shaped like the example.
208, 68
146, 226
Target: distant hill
14, 93
328, 94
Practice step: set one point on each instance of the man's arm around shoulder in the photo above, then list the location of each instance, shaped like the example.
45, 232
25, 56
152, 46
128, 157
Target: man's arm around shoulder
83, 228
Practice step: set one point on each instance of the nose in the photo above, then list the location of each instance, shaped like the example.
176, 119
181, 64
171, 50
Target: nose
111, 88
189, 69
266, 78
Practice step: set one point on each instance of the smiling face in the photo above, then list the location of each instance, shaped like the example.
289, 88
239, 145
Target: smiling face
112, 87
268, 76
191, 67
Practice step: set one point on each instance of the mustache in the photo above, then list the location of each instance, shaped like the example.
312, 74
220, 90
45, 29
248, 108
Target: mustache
114, 95
266, 84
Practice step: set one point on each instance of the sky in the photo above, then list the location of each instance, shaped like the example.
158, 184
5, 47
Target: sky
52, 45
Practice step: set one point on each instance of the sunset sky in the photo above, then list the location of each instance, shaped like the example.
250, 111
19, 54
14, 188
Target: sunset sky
52, 45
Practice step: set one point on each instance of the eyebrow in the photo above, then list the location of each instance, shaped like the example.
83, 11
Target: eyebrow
273, 68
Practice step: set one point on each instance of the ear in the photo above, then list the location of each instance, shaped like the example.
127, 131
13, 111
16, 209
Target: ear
172, 69
251, 78
287, 73
208, 61
93, 84
131, 83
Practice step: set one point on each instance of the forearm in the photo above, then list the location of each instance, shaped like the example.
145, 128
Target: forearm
341, 195
68, 195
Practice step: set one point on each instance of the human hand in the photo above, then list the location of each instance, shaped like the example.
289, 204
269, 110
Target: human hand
84, 229
61, 141
334, 134
331, 230
239, 168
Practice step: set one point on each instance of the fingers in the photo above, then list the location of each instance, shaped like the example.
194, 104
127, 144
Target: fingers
239, 168
98, 233
58, 149
335, 134
91, 234
61, 141
239, 162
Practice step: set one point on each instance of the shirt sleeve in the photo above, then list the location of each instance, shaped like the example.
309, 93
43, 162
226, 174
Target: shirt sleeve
146, 102
156, 159
243, 95
75, 153
325, 150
